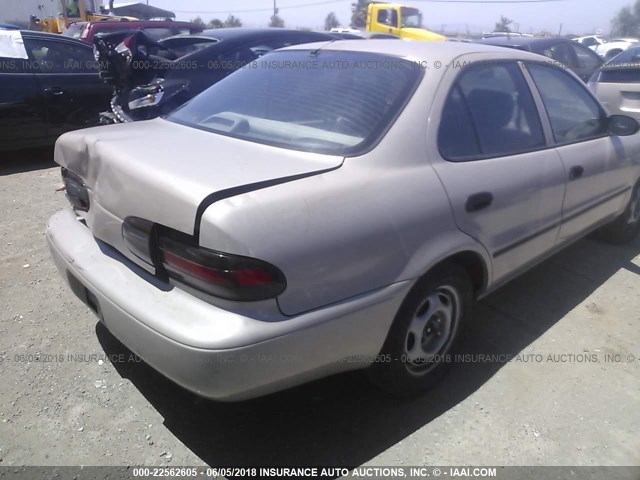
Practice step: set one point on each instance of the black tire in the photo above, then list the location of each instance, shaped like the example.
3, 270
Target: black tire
624, 228
402, 374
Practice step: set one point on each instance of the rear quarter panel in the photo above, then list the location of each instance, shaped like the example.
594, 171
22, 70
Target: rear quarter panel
379, 219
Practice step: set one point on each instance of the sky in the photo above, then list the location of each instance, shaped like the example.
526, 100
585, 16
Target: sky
576, 16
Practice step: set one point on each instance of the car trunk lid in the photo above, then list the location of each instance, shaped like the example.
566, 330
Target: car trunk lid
619, 90
164, 172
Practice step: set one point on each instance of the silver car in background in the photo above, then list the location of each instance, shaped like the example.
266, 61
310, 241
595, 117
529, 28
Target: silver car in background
336, 207
617, 84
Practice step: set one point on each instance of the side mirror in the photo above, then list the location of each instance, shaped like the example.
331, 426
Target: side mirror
623, 126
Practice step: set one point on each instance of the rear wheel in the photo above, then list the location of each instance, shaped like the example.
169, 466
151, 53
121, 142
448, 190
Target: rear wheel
424, 331
625, 228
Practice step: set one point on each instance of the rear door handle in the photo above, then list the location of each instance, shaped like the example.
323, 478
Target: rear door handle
55, 91
576, 172
478, 201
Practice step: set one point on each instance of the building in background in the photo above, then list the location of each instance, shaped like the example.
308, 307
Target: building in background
140, 10
19, 11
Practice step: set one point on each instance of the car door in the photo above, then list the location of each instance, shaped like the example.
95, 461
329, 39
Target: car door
388, 17
587, 62
22, 111
596, 165
69, 83
504, 182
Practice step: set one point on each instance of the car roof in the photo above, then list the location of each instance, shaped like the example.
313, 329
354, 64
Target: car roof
233, 33
430, 52
137, 23
51, 36
520, 41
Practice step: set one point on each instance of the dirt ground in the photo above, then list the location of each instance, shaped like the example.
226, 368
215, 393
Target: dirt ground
571, 397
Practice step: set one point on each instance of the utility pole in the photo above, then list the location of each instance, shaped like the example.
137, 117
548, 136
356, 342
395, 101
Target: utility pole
275, 8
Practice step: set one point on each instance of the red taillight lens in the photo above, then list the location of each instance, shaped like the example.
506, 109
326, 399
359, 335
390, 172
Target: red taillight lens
128, 42
233, 277
125, 47
180, 264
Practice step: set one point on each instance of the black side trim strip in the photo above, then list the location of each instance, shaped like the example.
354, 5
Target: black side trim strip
528, 238
524, 240
233, 191
595, 205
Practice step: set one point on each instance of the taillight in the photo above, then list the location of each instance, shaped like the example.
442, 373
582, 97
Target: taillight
77, 191
224, 275
137, 234
124, 48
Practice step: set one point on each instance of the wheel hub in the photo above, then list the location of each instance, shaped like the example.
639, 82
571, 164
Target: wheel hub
431, 329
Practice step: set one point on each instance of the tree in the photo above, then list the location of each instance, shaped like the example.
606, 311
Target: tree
359, 14
199, 22
627, 22
232, 21
331, 21
276, 21
215, 23
503, 24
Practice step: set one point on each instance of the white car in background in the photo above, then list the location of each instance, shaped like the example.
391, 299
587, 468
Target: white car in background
591, 41
615, 47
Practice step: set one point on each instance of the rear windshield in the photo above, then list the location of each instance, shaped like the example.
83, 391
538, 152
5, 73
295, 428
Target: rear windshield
332, 102
74, 31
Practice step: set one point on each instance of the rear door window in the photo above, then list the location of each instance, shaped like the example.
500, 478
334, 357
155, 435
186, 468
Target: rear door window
586, 58
457, 136
589, 42
52, 56
561, 53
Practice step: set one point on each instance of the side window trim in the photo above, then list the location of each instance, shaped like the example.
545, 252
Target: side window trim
542, 110
467, 109
534, 87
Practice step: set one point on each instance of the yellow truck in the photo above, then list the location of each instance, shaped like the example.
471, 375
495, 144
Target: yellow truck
399, 20
75, 11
